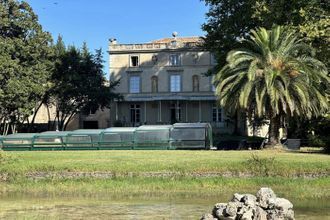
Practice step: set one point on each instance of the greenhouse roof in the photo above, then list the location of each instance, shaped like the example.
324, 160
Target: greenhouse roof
154, 127
85, 131
120, 129
20, 136
53, 134
191, 125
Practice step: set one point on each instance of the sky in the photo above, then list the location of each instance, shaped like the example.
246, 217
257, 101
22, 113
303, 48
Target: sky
129, 21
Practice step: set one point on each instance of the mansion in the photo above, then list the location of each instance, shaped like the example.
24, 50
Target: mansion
163, 82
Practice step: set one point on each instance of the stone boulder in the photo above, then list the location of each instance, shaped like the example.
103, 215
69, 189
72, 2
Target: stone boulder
264, 206
263, 196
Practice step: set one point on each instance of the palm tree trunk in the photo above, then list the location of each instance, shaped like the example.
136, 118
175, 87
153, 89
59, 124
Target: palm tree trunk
274, 130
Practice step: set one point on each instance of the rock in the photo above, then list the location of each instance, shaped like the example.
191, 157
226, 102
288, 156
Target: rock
237, 197
264, 206
260, 214
289, 215
282, 208
247, 215
231, 209
249, 200
263, 195
220, 205
229, 218
208, 217
218, 210
283, 204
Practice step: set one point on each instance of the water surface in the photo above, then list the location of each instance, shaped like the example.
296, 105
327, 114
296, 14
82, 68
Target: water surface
136, 207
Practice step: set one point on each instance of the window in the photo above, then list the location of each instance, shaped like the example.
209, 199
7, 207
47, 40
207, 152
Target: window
175, 112
216, 113
175, 83
213, 60
175, 60
213, 88
154, 84
134, 84
135, 114
195, 81
212, 85
134, 61
92, 110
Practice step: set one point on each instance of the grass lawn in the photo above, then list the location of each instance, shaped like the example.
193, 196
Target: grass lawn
302, 175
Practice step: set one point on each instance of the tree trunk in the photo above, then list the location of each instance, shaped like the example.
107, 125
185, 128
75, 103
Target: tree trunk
274, 131
36, 110
236, 121
67, 122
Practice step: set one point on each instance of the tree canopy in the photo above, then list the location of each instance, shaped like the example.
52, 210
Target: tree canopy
25, 62
34, 72
228, 21
79, 83
274, 75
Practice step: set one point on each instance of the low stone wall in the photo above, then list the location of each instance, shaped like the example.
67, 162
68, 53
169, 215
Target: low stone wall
264, 206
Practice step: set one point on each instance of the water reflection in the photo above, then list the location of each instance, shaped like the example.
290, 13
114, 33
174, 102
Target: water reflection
137, 207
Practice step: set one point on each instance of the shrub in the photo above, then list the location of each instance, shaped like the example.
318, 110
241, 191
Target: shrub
326, 147
262, 166
315, 141
117, 123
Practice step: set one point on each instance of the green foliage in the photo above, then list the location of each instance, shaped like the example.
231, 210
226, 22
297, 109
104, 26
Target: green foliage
314, 130
273, 75
79, 83
262, 166
230, 20
25, 64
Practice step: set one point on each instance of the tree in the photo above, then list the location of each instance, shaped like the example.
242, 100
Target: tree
273, 76
78, 83
25, 62
230, 20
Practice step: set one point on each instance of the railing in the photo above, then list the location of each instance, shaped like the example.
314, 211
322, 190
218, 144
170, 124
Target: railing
151, 46
213, 124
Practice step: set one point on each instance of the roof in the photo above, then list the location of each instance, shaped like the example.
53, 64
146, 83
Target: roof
191, 125
120, 129
180, 39
85, 132
20, 136
154, 127
52, 134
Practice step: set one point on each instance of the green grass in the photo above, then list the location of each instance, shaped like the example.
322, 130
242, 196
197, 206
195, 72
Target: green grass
186, 172
161, 161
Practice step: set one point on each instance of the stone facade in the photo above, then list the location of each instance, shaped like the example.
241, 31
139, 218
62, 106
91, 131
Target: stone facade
163, 82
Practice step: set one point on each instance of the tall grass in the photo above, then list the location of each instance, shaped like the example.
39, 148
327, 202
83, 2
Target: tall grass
176, 172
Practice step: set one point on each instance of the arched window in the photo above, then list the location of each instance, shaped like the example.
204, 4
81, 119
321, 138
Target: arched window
195, 81
154, 84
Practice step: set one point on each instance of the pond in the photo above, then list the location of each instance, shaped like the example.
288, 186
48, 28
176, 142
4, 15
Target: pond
136, 207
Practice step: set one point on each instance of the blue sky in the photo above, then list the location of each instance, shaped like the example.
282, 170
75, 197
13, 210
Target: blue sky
129, 21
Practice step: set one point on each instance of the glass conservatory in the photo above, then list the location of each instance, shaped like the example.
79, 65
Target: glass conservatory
191, 136
83, 139
152, 137
19, 141
177, 136
117, 138
50, 140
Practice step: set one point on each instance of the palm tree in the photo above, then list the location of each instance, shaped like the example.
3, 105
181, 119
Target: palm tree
274, 76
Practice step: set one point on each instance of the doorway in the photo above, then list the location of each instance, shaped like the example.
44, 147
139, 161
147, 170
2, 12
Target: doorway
90, 125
